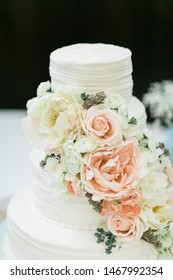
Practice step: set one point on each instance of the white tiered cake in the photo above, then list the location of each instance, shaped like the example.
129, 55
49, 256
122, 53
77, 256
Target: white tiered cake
45, 225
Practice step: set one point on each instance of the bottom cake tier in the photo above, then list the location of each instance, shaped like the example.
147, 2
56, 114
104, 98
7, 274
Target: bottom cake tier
31, 236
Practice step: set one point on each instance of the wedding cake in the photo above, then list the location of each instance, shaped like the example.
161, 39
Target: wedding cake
101, 186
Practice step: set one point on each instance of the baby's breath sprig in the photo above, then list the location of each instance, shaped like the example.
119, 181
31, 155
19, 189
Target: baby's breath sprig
108, 238
43, 162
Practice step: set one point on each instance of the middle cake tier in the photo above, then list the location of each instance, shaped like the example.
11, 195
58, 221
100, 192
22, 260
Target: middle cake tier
58, 206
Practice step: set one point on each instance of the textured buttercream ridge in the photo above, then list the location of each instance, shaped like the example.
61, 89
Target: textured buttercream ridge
95, 51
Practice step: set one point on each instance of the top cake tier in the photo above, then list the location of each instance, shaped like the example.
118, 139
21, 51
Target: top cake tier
93, 68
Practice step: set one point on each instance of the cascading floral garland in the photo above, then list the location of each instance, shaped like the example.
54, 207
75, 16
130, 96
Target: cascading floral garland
94, 147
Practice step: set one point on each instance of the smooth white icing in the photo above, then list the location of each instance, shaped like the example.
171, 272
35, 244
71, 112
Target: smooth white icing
64, 209
93, 68
30, 236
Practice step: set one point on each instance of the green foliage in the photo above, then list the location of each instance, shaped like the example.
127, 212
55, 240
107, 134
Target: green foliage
84, 96
108, 238
133, 121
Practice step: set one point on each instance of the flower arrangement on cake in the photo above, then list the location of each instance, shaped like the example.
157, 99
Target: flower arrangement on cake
92, 150
159, 100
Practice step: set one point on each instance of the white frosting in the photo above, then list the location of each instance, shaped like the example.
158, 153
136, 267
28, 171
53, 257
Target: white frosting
65, 209
42, 227
93, 68
30, 236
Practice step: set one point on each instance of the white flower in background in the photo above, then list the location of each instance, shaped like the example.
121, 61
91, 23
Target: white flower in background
84, 145
51, 120
43, 88
159, 99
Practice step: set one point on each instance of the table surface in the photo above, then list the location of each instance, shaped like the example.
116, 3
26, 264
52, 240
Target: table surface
15, 168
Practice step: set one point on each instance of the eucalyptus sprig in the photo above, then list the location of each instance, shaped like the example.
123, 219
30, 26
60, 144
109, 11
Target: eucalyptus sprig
108, 238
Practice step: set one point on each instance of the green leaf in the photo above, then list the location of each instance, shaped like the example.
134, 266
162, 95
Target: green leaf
133, 121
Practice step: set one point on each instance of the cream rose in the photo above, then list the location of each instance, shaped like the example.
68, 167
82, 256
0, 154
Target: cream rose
126, 229
102, 125
109, 172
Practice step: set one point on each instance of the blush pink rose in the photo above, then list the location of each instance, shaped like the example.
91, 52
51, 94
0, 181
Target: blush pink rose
126, 229
102, 125
109, 172
129, 210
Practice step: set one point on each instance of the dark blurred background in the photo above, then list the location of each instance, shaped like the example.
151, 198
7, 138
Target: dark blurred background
31, 29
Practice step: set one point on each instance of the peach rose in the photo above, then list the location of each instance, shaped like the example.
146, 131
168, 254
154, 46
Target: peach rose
126, 229
108, 207
102, 125
131, 197
109, 172
74, 188
129, 205
129, 210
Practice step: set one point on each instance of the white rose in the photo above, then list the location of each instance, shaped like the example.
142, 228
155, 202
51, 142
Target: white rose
74, 163
150, 156
69, 148
43, 88
84, 145
117, 103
